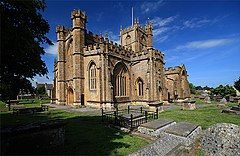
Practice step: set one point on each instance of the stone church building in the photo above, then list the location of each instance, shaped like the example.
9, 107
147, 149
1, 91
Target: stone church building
91, 70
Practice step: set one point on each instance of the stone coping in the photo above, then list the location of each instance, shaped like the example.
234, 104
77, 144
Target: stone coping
183, 129
32, 127
156, 124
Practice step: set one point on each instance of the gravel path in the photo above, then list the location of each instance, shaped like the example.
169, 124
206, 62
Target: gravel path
77, 110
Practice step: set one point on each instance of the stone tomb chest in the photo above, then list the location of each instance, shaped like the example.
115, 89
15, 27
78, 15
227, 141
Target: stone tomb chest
154, 128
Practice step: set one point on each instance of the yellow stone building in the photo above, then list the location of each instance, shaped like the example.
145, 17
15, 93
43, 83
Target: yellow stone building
93, 71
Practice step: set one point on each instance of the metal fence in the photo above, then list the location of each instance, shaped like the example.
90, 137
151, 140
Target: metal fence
129, 118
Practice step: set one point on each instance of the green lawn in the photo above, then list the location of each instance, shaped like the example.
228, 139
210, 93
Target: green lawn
26, 103
205, 116
85, 134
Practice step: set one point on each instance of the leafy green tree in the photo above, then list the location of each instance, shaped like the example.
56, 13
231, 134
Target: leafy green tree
23, 32
41, 90
237, 84
224, 91
192, 88
199, 88
207, 88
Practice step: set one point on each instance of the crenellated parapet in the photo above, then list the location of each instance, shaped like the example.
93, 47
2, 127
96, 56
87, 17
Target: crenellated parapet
78, 14
79, 19
92, 38
158, 54
173, 70
60, 30
106, 46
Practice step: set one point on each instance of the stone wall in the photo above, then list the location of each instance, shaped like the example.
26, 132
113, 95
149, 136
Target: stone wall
222, 139
32, 138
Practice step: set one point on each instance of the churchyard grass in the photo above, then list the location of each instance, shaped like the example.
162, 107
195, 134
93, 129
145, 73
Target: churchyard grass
205, 116
3, 107
85, 134
26, 103
199, 101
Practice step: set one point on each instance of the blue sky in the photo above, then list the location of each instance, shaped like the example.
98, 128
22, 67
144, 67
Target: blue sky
203, 35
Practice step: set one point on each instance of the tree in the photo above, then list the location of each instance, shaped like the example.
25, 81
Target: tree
224, 91
192, 88
23, 32
237, 84
41, 90
199, 88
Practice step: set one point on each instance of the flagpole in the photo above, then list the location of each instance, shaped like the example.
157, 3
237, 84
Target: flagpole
132, 16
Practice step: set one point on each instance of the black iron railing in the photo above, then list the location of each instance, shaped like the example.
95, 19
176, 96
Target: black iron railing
129, 118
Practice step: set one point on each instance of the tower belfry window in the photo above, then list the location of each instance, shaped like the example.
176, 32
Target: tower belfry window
128, 40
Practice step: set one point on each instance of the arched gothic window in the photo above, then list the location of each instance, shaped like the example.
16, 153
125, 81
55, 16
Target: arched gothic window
92, 77
121, 83
140, 87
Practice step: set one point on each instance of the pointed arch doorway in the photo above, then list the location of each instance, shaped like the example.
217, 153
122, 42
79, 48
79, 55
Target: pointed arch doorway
70, 96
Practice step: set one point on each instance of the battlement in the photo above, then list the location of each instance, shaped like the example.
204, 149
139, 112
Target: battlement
60, 28
125, 30
78, 14
144, 28
107, 46
173, 70
92, 38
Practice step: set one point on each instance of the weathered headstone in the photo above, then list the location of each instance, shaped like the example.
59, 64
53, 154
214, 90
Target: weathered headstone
234, 109
222, 139
207, 99
189, 106
223, 101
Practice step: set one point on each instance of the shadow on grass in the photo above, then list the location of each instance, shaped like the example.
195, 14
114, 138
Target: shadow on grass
84, 135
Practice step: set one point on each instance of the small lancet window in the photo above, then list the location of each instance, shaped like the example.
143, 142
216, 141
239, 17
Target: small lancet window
140, 87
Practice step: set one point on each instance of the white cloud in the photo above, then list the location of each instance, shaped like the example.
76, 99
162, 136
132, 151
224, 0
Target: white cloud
162, 28
159, 31
201, 22
52, 49
204, 44
196, 23
160, 22
151, 6
161, 38
41, 79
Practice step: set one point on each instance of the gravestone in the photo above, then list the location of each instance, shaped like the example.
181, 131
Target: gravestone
223, 101
207, 99
189, 105
234, 109
222, 139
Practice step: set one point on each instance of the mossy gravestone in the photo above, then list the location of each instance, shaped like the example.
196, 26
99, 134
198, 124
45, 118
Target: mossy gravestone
222, 139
